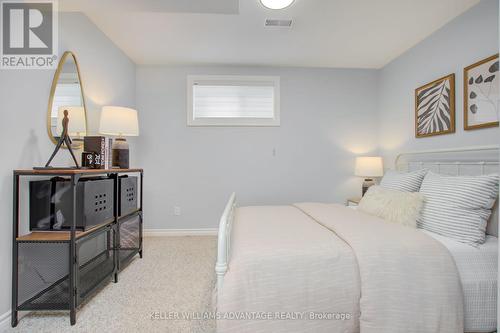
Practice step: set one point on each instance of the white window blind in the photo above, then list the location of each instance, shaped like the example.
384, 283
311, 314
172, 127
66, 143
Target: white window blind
233, 101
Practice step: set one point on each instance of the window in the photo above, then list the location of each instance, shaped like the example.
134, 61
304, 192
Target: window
233, 101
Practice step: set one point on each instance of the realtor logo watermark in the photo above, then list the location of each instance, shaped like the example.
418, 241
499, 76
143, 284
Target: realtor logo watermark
29, 34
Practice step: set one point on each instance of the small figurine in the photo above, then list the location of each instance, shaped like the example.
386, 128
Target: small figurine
63, 139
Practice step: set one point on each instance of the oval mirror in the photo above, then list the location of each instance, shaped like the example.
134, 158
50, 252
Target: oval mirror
67, 94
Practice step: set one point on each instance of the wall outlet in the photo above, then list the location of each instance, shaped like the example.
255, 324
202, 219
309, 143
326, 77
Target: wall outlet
177, 210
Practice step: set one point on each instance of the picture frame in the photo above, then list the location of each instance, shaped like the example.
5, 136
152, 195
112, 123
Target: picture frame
481, 94
435, 107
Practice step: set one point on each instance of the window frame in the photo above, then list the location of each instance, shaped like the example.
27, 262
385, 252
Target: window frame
237, 121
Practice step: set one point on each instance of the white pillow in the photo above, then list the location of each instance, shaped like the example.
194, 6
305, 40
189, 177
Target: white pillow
458, 206
403, 181
393, 206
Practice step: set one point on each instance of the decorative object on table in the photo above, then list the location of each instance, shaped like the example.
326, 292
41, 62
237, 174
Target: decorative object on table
77, 128
88, 159
435, 107
481, 94
99, 146
368, 167
64, 139
67, 94
109, 153
120, 122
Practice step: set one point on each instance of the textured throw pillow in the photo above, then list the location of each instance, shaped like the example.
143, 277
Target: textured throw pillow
393, 206
403, 181
458, 206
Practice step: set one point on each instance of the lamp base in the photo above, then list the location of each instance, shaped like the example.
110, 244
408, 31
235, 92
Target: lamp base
120, 154
366, 184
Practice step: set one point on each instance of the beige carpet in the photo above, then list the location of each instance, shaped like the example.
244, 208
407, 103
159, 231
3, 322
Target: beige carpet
175, 275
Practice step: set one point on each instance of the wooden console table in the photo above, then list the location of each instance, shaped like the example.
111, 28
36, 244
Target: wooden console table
69, 290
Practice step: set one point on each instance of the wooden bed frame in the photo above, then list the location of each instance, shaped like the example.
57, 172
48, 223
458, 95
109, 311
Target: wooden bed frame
443, 161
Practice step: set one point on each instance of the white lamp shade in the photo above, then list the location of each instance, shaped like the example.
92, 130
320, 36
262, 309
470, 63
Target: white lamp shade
276, 4
120, 121
367, 166
77, 125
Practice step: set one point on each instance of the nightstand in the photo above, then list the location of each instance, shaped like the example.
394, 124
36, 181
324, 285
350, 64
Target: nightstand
353, 201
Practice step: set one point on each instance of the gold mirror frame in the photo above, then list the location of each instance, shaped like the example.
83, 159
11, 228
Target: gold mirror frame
53, 90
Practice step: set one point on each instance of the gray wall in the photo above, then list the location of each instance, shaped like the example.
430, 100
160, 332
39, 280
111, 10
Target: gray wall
327, 117
108, 77
465, 40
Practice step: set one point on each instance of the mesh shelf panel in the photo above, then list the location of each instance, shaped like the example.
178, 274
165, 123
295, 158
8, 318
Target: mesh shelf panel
42, 266
56, 298
93, 246
95, 262
44, 271
129, 232
129, 237
94, 272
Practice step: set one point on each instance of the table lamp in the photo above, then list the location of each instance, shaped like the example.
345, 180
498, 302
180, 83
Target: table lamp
120, 122
77, 126
368, 167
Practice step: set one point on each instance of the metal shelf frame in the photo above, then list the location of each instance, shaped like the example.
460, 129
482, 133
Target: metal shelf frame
74, 240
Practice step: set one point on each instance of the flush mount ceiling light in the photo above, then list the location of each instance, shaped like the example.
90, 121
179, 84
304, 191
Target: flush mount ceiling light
276, 4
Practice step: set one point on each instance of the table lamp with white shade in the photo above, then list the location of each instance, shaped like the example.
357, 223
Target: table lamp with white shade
120, 122
77, 125
368, 167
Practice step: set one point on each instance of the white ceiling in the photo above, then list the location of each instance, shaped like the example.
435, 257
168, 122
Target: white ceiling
324, 33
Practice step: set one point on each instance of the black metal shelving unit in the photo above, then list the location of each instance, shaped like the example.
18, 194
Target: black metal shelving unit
70, 274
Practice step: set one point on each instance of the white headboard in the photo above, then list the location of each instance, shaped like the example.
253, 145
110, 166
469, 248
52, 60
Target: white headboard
478, 160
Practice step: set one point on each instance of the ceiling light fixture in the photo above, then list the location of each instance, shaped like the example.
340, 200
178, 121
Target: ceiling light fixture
276, 4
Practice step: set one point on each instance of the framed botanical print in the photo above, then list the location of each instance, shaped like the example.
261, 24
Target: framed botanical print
481, 94
435, 107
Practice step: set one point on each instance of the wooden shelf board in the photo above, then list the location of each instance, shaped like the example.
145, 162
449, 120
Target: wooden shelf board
55, 171
57, 236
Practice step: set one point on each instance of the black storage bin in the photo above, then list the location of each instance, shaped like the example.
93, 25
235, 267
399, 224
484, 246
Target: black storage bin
44, 270
130, 237
128, 195
51, 203
41, 217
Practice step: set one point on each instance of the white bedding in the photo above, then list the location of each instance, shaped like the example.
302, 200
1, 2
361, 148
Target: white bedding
282, 261
291, 259
409, 281
478, 267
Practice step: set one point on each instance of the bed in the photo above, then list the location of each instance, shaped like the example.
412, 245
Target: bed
313, 267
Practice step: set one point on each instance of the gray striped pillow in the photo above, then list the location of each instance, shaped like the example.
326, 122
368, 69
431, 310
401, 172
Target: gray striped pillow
403, 181
458, 206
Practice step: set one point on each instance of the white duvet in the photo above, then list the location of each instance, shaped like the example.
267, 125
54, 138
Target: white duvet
325, 268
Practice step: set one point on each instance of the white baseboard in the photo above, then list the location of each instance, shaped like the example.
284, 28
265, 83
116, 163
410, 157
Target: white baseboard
5, 321
180, 232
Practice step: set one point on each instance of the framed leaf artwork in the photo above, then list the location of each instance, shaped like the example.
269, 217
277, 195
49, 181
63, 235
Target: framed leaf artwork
435, 107
481, 94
